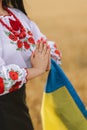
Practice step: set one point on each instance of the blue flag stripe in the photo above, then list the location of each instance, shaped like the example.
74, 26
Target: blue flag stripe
57, 79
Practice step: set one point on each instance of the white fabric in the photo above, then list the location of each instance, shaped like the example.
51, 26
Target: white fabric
13, 59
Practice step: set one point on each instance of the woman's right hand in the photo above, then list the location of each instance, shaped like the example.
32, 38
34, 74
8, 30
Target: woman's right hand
40, 61
41, 57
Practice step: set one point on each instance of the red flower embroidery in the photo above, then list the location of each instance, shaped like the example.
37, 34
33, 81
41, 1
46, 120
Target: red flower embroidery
1, 85
12, 37
30, 33
26, 45
14, 24
19, 44
15, 86
22, 35
57, 52
13, 75
31, 40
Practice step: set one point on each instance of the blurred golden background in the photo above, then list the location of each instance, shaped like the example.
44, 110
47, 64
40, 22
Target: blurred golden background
64, 22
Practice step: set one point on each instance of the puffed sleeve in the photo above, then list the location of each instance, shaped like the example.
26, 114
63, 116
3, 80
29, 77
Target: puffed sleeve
12, 77
55, 53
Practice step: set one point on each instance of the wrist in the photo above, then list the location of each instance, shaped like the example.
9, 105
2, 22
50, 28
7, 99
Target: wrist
39, 71
33, 72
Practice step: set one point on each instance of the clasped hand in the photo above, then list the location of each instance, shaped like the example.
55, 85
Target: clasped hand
40, 59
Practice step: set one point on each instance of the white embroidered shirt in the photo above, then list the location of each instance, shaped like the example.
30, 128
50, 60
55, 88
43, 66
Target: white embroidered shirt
15, 54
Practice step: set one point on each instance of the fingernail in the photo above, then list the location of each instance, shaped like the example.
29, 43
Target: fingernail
44, 42
48, 47
42, 39
38, 41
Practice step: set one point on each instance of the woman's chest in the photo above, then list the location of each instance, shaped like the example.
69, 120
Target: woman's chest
14, 45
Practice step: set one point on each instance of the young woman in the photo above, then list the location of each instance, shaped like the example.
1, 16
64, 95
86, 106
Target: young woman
24, 54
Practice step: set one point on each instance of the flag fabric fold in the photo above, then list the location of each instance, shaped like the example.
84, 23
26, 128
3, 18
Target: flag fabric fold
62, 108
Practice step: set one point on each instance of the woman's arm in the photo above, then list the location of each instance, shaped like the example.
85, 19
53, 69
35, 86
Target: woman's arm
12, 77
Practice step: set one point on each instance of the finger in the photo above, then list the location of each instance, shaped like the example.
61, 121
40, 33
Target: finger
42, 39
49, 63
37, 48
37, 45
40, 47
49, 66
45, 42
39, 41
48, 52
44, 48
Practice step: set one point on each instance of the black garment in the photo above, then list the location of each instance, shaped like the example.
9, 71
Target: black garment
14, 112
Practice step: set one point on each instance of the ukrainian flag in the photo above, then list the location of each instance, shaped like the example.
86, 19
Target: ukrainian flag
62, 109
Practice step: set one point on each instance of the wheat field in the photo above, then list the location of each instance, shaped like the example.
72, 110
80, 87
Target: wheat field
64, 22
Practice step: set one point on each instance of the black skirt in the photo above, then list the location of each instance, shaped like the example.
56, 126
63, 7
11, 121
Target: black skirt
14, 113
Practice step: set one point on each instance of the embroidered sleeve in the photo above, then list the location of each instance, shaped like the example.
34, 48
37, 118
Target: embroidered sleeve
55, 52
12, 77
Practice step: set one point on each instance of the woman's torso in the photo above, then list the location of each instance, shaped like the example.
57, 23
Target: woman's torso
11, 52
13, 110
